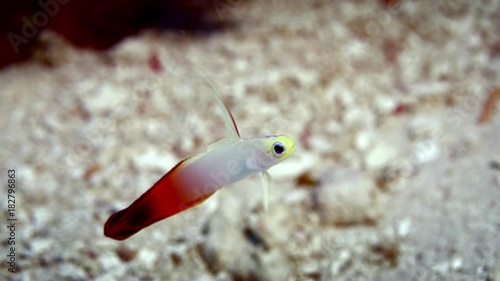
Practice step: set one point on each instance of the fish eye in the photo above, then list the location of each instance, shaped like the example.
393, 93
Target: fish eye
278, 148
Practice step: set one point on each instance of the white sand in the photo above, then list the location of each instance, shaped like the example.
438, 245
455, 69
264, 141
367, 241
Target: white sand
408, 196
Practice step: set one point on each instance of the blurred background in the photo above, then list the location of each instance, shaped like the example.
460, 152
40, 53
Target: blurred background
393, 106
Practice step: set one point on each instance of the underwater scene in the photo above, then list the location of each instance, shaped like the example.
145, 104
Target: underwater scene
233, 140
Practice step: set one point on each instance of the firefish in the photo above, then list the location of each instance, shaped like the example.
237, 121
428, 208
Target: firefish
196, 178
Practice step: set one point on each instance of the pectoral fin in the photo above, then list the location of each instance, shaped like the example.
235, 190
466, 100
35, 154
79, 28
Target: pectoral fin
266, 180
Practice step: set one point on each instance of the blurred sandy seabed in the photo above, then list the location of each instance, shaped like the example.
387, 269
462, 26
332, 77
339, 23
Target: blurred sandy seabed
394, 178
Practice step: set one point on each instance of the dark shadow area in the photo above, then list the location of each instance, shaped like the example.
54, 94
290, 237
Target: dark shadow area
98, 24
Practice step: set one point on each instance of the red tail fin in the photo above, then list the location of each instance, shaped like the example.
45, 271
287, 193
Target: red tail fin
159, 202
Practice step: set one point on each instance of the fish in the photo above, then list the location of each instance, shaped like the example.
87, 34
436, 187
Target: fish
197, 178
